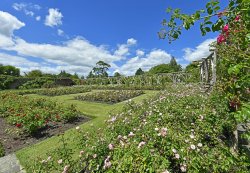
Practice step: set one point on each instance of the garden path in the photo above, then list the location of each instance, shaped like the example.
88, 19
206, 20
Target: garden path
10, 164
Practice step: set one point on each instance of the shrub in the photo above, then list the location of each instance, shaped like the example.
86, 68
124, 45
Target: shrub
180, 130
33, 114
64, 90
109, 96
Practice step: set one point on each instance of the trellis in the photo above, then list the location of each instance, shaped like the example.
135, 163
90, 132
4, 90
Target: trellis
208, 69
140, 80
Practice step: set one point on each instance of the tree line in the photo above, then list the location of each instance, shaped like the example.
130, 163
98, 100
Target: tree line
101, 70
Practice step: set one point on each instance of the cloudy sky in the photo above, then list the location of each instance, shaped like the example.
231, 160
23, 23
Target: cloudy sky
53, 35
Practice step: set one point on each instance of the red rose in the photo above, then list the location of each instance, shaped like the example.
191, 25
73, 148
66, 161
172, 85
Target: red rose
18, 124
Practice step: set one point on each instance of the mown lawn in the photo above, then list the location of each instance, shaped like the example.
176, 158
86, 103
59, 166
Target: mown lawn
99, 112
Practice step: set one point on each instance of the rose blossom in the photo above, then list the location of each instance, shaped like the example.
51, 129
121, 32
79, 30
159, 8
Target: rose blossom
111, 146
220, 39
192, 147
141, 144
174, 151
131, 134
225, 28
60, 161
66, 169
177, 156
237, 18
183, 168
107, 163
163, 132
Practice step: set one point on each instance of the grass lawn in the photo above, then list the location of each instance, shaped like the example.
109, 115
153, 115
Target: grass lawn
99, 112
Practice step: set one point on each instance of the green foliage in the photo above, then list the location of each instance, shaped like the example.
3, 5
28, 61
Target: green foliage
232, 46
109, 96
34, 74
162, 68
5, 81
117, 74
100, 70
210, 18
194, 70
174, 66
9, 70
38, 83
64, 74
30, 115
178, 131
166, 68
63, 90
139, 72
2, 152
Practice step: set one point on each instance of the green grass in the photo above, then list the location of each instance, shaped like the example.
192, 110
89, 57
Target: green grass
99, 112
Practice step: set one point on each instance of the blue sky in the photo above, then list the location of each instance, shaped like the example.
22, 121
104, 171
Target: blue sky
53, 35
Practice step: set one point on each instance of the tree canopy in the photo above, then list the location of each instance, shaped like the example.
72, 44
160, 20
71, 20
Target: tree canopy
139, 72
100, 70
173, 66
9, 70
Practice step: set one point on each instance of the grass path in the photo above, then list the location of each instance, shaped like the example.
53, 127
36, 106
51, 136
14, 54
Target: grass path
99, 112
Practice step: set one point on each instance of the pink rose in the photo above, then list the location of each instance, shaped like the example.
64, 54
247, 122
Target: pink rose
225, 28
237, 18
221, 39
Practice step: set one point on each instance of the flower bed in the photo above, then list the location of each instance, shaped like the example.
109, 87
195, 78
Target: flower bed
64, 91
32, 115
179, 131
109, 96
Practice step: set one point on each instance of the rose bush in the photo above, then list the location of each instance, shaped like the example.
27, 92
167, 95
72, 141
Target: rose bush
31, 115
110, 96
180, 130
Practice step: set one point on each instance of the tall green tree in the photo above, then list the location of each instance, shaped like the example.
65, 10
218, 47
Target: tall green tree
117, 74
175, 67
139, 72
101, 68
90, 75
162, 68
9, 70
34, 74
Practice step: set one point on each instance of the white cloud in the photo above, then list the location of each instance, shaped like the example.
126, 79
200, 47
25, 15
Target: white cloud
131, 41
75, 55
201, 51
5, 41
38, 18
27, 8
123, 49
9, 23
155, 57
54, 18
139, 53
17, 61
60, 32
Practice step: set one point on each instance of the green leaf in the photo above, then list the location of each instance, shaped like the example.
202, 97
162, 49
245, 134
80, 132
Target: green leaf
208, 23
217, 8
217, 25
210, 11
175, 35
208, 4
207, 29
169, 9
235, 69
